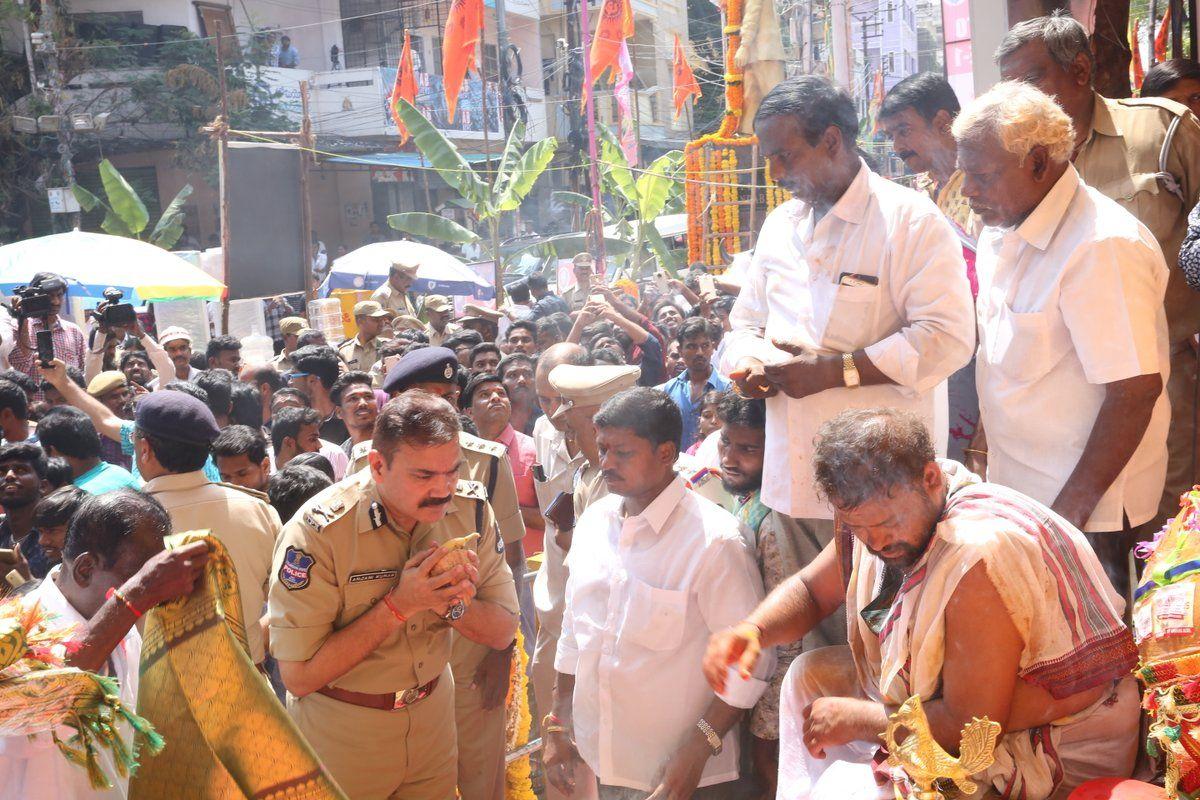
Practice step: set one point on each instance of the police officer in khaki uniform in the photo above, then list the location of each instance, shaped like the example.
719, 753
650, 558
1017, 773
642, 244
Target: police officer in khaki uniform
583, 390
172, 437
362, 351
1143, 153
289, 328
480, 673
394, 295
361, 622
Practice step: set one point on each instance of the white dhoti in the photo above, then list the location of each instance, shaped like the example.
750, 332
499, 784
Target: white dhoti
845, 773
1043, 764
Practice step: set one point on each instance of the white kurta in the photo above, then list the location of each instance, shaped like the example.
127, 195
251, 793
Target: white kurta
916, 322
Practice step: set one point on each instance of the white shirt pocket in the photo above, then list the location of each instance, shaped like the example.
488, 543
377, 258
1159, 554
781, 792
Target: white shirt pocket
1025, 346
851, 319
654, 618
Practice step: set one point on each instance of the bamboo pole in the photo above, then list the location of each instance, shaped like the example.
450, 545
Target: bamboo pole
223, 163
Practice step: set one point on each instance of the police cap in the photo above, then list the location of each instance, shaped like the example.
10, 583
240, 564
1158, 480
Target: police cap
175, 415
425, 365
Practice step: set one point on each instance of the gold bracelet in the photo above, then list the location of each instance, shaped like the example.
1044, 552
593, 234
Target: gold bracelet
976, 452
553, 729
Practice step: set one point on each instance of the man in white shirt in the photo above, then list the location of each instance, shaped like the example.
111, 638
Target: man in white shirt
115, 544
1073, 346
654, 569
856, 296
177, 342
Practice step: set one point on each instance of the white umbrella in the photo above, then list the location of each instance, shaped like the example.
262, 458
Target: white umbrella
438, 271
91, 262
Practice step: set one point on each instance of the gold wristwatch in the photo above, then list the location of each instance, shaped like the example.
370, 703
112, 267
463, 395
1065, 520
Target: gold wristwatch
850, 371
714, 741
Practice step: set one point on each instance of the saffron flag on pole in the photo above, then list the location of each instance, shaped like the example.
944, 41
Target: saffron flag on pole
685, 84
623, 94
463, 29
404, 87
1160, 38
612, 29
1136, 73
876, 101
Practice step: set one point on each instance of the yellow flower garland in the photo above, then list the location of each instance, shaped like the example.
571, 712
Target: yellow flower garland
713, 192
518, 785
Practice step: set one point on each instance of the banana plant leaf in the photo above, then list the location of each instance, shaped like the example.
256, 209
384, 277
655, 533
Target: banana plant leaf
512, 151
442, 154
613, 164
431, 226
169, 227
654, 185
123, 201
525, 173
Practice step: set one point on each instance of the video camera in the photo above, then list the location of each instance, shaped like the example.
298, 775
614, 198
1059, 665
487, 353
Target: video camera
32, 302
113, 312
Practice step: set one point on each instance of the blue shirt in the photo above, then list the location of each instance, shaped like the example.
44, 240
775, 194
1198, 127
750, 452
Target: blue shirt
679, 389
106, 477
210, 468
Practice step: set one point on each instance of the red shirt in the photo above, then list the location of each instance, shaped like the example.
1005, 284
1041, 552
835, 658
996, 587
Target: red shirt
522, 456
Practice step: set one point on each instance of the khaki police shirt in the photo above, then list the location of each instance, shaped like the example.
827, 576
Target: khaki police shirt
244, 522
360, 356
589, 487
485, 462
341, 553
389, 298
282, 363
1120, 160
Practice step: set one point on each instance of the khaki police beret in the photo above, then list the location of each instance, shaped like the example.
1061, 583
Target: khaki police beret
590, 386
369, 308
292, 325
105, 382
438, 302
473, 311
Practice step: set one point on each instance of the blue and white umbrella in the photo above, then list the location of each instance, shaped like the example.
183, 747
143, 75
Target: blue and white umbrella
91, 262
438, 273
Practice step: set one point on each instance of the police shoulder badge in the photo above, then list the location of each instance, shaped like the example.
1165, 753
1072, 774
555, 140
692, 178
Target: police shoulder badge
293, 572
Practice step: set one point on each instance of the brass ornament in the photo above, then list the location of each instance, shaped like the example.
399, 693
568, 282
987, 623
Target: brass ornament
924, 760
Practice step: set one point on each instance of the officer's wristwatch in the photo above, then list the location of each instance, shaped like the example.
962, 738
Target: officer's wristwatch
455, 611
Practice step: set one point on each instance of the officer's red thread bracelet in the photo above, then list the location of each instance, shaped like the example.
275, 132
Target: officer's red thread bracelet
111, 593
387, 601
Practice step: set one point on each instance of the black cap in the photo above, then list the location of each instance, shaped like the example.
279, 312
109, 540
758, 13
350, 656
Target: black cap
425, 365
175, 415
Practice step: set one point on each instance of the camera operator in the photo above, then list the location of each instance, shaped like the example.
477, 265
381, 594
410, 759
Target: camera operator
68, 338
105, 332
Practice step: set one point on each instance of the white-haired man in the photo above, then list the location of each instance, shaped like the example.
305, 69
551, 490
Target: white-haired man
1073, 352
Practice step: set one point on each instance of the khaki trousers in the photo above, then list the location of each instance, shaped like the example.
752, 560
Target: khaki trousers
1181, 440
480, 745
408, 753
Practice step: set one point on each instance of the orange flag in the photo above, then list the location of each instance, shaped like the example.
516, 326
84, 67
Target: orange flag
614, 26
685, 79
463, 29
1160, 38
1136, 74
405, 86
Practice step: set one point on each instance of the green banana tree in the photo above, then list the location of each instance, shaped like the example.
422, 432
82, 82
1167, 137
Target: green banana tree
515, 176
125, 214
639, 202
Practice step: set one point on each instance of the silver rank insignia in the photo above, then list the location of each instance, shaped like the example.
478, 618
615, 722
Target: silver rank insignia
378, 515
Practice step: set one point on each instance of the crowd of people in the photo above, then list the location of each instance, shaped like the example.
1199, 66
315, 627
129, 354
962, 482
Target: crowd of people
904, 448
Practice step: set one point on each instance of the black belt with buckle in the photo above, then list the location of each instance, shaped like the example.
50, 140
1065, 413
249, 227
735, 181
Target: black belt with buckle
383, 702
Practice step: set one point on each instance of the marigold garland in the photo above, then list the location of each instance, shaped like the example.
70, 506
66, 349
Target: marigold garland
517, 775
